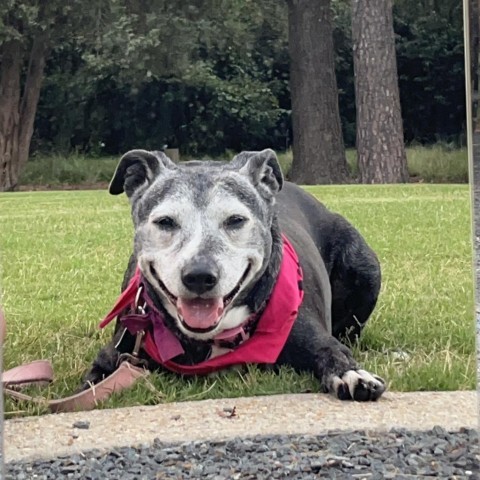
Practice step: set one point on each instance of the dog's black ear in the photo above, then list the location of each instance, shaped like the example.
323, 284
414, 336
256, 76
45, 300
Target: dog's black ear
262, 168
137, 169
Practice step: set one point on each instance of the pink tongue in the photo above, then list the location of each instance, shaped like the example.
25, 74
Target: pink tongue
200, 312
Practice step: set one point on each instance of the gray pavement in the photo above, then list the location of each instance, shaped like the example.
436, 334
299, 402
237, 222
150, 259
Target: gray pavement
311, 414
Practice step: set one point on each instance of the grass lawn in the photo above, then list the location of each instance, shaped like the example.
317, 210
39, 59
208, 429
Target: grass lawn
436, 163
64, 254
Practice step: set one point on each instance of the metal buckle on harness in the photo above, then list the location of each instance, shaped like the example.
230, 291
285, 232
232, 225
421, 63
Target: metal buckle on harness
133, 357
139, 309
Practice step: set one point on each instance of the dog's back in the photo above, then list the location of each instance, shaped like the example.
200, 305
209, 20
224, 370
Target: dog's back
351, 265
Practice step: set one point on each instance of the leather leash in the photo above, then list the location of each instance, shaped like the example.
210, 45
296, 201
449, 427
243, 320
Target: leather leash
40, 372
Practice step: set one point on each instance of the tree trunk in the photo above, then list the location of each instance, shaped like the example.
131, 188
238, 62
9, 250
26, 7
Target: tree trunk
9, 114
380, 148
17, 112
318, 150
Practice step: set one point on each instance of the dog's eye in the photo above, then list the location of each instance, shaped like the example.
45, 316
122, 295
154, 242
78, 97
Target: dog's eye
166, 223
235, 222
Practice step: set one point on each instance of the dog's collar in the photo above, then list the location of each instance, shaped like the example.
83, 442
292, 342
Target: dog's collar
137, 313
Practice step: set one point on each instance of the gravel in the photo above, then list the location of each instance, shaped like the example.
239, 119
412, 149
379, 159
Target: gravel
397, 454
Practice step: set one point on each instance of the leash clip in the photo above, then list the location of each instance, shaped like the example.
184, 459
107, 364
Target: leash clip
133, 357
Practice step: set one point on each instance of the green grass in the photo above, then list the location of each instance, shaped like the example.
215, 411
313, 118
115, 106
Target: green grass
438, 164
433, 164
64, 255
74, 169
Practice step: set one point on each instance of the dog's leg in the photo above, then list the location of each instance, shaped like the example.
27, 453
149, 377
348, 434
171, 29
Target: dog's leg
308, 349
354, 297
105, 364
355, 277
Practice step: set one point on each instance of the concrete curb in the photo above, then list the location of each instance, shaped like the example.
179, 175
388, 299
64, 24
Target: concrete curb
54, 435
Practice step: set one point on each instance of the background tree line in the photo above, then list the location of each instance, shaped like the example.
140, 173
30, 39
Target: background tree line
204, 76
216, 85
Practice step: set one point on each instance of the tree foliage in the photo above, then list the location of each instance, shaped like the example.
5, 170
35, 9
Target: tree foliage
28, 29
430, 56
206, 77
214, 75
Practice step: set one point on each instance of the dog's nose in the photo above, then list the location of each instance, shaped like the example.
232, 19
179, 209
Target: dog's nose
200, 277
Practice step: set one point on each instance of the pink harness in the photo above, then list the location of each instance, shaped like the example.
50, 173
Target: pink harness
264, 346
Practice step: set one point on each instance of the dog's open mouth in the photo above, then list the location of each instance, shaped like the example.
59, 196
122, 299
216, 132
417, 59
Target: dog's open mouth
201, 315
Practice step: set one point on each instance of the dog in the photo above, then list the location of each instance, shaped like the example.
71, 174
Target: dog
214, 242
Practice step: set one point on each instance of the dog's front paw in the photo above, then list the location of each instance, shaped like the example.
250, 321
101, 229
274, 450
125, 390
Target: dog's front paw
358, 385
